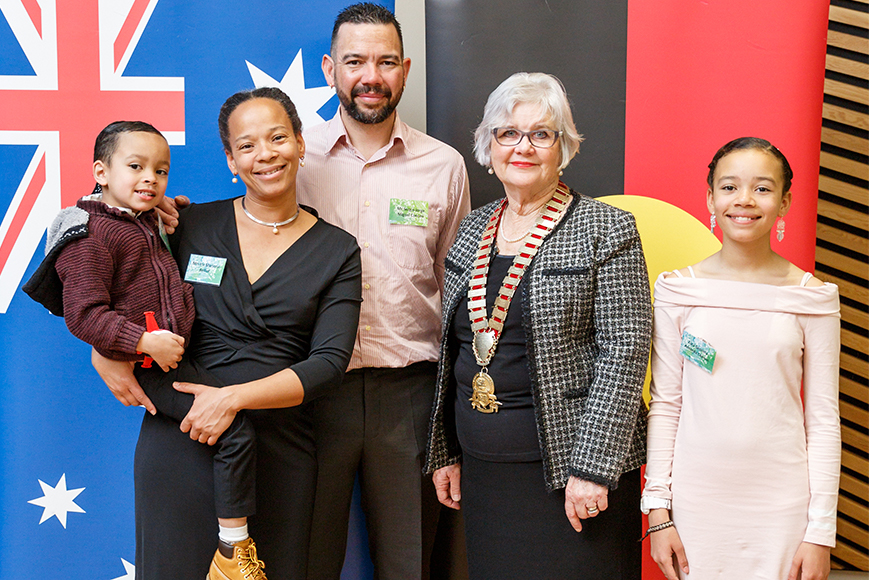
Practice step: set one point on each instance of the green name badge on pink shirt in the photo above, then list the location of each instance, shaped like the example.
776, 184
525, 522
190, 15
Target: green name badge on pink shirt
205, 269
409, 212
698, 351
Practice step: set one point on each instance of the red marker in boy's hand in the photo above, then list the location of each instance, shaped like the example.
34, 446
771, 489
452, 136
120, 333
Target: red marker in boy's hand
164, 346
150, 326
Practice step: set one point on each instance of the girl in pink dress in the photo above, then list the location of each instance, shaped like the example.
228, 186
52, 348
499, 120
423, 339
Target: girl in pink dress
744, 440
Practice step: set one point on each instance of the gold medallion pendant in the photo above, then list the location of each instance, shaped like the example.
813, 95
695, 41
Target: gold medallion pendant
486, 331
483, 398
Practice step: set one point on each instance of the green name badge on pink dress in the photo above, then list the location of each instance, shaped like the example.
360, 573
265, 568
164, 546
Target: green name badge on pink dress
698, 351
409, 212
205, 269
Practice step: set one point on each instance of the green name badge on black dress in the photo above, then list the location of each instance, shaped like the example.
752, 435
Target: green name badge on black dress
205, 269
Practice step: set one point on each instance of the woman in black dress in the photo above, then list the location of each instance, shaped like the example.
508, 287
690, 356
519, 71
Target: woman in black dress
275, 322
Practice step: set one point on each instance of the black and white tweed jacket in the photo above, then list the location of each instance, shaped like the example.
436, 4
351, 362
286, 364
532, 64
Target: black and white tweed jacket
587, 317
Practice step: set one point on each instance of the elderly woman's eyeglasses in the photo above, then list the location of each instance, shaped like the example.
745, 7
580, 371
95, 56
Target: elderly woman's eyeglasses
509, 137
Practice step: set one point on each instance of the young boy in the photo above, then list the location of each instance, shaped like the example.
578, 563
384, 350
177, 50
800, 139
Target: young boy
109, 257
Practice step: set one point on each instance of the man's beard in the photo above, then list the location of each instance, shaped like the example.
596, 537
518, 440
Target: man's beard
370, 117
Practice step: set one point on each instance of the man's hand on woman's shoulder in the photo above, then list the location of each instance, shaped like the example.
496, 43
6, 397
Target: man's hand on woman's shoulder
168, 208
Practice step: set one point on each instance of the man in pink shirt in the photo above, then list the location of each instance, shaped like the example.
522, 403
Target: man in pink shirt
402, 194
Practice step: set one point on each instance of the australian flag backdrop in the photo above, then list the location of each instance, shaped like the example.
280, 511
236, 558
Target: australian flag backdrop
657, 86
68, 68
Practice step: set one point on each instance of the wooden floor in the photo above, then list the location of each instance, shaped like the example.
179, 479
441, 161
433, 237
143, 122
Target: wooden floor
840, 575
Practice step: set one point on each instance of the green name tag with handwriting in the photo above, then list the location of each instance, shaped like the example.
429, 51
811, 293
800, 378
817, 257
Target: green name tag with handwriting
698, 351
205, 269
409, 212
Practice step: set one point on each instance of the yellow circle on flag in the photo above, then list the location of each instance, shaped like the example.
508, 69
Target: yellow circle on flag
672, 238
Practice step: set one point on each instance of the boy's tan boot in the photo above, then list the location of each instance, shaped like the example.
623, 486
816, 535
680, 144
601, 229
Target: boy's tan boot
242, 565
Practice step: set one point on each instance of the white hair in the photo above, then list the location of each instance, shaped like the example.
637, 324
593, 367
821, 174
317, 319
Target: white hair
542, 89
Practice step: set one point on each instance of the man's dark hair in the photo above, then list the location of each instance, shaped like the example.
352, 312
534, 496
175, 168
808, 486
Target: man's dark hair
107, 140
365, 13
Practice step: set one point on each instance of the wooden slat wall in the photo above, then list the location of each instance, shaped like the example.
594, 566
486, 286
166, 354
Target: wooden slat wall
841, 257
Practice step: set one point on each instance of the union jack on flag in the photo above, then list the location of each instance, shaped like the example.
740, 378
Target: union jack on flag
79, 52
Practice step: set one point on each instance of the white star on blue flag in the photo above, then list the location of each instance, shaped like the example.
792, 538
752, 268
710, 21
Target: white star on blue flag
57, 501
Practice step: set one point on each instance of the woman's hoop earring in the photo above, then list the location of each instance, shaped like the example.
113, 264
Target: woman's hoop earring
712, 222
780, 229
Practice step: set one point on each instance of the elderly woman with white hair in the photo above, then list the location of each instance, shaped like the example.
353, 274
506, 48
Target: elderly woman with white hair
546, 332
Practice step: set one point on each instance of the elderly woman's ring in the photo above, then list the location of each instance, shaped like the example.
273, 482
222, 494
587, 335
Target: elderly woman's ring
592, 510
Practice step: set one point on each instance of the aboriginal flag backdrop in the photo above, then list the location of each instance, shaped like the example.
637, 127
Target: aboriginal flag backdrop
657, 86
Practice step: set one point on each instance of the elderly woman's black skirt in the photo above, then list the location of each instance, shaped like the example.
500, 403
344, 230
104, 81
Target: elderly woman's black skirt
516, 529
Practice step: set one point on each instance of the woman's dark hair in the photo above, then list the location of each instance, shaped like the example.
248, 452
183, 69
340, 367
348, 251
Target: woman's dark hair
365, 13
234, 101
107, 140
752, 143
